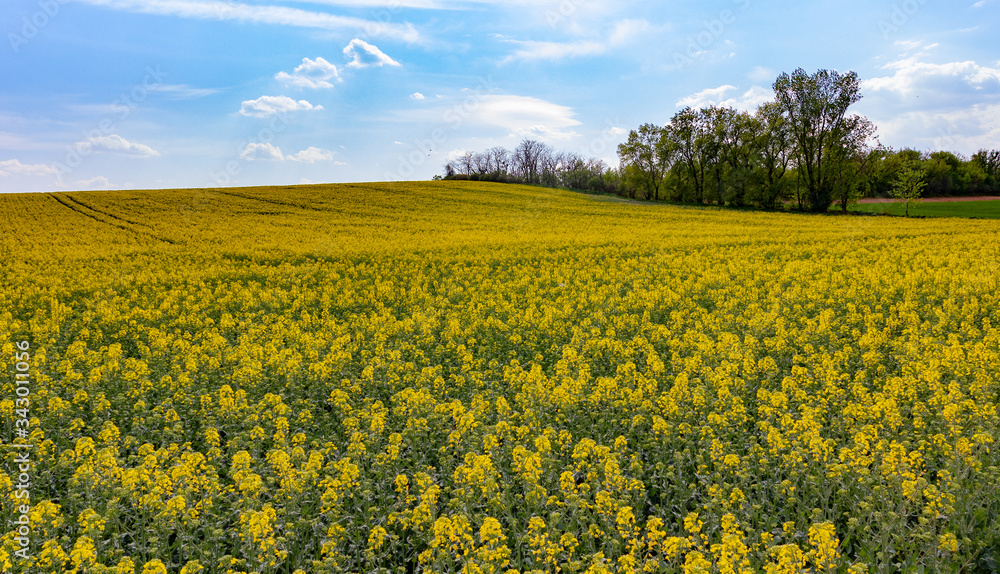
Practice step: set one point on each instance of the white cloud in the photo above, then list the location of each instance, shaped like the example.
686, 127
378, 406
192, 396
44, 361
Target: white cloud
907, 44
761, 74
228, 10
116, 144
951, 106
99, 182
749, 100
364, 55
705, 97
963, 130
264, 151
271, 152
522, 116
312, 155
417, 96
182, 91
911, 77
533, 50
617, 131
265, 106
313, 74
15, 167
628, 30
527, 116
622, 33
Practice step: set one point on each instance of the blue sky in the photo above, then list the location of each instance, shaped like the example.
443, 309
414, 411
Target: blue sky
201, 93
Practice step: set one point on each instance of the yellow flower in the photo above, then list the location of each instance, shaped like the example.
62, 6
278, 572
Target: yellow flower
948, 542
83, 553
786, 559
154, 566
377, 538
625, 522
696, 563
90, 521
823, 538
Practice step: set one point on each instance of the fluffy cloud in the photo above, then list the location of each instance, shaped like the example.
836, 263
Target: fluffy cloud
749, 100
527, 116
15, 167
266, 151
314, 74
951, 106
963, 130
312, 155
960, 83
266, 106
115, 143
479, 110
417, 96
364, 55
99, 182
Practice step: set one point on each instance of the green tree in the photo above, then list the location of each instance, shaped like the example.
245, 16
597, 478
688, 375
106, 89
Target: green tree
816, 109
689, 133
851, 163
730, 151
988, 162
649, 152
909, 186
773, 144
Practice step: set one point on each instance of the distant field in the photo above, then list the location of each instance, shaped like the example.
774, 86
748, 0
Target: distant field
982, 209
482, 378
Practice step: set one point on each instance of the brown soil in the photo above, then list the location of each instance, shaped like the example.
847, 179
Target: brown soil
933, 199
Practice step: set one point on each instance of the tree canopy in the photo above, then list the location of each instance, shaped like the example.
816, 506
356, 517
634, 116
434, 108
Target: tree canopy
804, 148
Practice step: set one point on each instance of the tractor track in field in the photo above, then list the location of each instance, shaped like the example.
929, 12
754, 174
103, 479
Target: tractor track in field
109, 214
271, 201
77, 209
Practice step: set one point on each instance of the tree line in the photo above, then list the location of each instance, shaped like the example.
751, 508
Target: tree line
803, 148
532, 162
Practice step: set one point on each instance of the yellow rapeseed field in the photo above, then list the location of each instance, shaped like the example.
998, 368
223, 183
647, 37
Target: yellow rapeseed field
464, 377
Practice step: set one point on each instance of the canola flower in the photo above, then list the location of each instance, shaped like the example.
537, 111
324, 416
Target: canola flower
465, 377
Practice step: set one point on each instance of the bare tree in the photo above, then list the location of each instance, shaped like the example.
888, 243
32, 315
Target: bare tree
465, 163
499, 162
481, 163
527, 160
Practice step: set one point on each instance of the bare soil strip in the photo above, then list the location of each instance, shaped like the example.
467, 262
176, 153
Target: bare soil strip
933, 199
